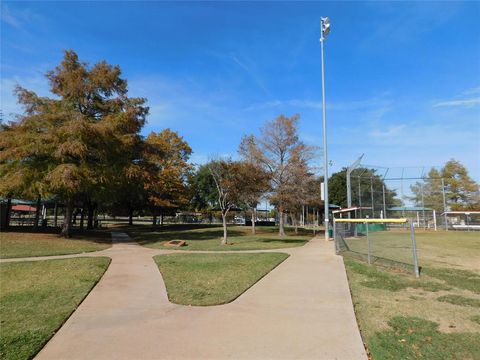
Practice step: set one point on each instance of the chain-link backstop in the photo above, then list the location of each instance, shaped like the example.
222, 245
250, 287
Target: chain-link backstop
378, 241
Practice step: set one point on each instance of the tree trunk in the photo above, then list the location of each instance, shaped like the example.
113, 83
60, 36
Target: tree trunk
254, 217
130, 216
91, 211
37, 214
67, 221
8, 213
55, 215
82, 218
161, 219
295, 223
224, 220
281, 229
95, 217
154, 222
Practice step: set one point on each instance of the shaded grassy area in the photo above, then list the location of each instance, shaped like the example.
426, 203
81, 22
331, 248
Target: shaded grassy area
37, 297
212, 279
26, 244
201, 237
435, 249
433, 317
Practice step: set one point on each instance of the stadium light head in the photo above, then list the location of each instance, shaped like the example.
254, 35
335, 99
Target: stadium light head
325, 23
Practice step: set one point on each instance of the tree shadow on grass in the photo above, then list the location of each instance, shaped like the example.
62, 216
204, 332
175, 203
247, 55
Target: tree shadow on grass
160, 228
145, 235
283, 241
154, 237
94, 235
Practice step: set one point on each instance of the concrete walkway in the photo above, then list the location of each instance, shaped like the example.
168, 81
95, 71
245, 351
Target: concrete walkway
301, 310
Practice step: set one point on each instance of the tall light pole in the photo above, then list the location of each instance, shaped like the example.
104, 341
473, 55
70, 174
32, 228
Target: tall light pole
324, 30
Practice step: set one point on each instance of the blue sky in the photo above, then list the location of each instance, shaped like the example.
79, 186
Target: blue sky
403, 78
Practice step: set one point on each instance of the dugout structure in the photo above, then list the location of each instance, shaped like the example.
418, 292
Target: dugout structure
378, 241
463, 220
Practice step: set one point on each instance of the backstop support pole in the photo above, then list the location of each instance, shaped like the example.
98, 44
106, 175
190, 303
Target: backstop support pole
423, 209
360, 196
371, 196
444, 205
384, 203
414, 250
368, 244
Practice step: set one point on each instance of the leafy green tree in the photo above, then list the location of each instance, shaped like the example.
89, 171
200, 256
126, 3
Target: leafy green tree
202, 189
461, 191
431, 187
337, 185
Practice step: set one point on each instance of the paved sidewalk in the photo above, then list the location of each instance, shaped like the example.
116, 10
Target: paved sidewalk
301, 310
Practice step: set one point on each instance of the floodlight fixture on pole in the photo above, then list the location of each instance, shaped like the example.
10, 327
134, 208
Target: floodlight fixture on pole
324, 31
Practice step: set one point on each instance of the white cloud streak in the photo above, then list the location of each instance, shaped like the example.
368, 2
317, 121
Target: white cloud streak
459, 103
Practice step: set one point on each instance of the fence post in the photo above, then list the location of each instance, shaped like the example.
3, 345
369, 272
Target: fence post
423, 209
444, 205
360, 196
368, 243
414, 250
435, 219
371, 195
384, 203
335, 237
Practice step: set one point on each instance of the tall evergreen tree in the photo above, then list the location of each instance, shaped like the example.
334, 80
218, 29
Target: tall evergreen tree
461, 191
167, 154
82, 141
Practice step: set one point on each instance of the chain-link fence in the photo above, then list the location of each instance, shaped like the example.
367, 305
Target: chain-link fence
417, 193
378, 241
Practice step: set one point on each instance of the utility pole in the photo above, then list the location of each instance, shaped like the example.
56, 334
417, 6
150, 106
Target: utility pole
324, 31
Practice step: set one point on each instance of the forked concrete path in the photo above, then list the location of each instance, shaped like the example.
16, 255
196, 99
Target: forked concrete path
301, 310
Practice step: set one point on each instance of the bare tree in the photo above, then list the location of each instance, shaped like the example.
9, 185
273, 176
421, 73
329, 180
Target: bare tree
281, 153
254, 182
225, 174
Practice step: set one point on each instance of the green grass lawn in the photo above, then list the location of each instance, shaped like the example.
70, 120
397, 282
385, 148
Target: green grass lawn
433, 317
209, 237
213, 279
37, 297
27, 244
440, 248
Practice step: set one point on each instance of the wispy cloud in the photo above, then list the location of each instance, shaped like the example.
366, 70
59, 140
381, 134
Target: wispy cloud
377, 105
472, 91
18, 18
462, 102
467, 98
400, 24
250, 70
8, 18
